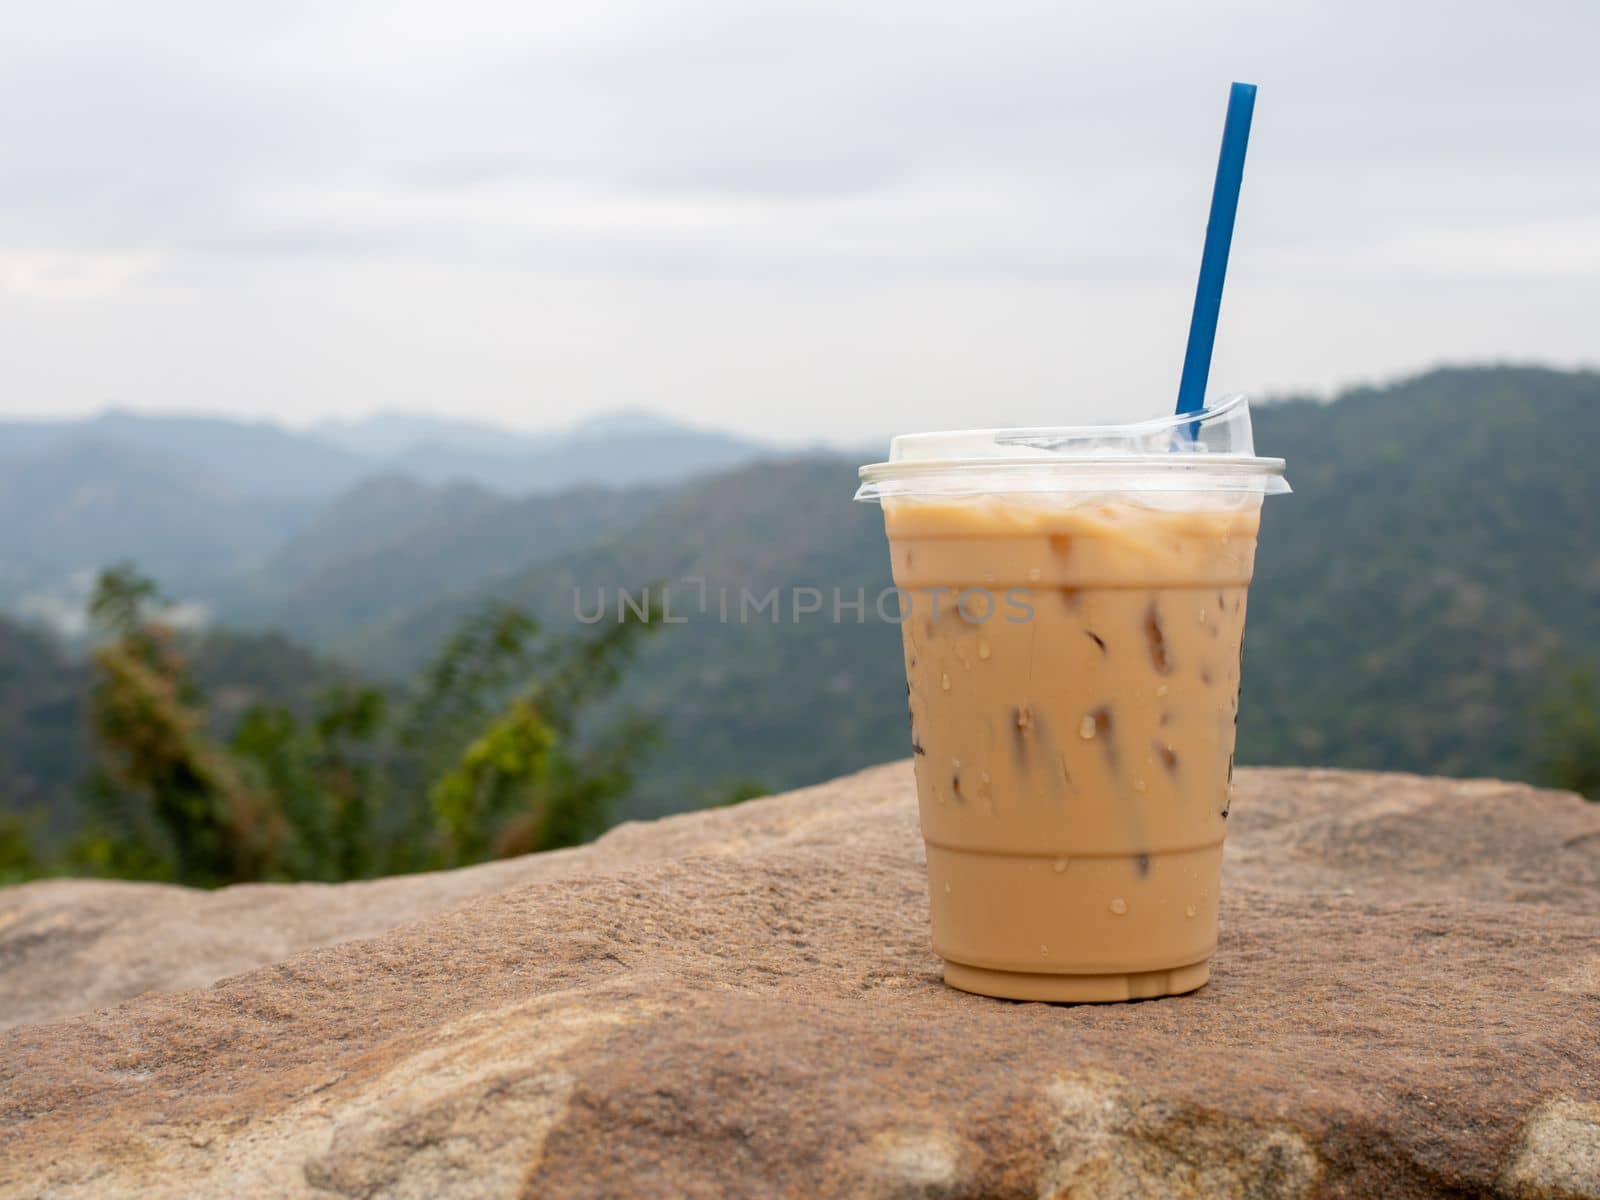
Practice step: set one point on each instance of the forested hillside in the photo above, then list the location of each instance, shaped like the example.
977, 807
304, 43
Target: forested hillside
1430, 585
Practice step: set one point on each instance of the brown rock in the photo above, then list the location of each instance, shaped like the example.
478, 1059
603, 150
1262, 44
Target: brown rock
1557, 1154
743, 1003
71, 945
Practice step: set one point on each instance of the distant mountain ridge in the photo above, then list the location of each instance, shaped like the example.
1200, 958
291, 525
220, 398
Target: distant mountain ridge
663, 454
265, 459
255, 457
84, 502
386, 435
377, 511
1416, 599
1428, 585
370, 557
205, 501
389, 435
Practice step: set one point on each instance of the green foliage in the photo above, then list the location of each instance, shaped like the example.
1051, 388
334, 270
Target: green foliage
488, 652
492, 780
1570, 753
1439, 551
347, 724
154, 748
124, 600
492, 757
325, 777
524, 779
18, 858
737, 792
42, 742
1439, 554
578, 800
119, 839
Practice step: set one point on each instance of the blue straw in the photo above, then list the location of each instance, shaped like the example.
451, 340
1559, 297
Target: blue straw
1214, 262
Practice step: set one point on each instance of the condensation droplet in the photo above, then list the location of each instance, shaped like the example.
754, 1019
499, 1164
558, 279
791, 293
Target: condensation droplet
944, 681
1060, 865
1161, 689
1188, 910
984, 775
1202, 616
1086, 727
955, 764
1119, 906
947, 892
1033, 574
983, 648
1139, 785
1043, 949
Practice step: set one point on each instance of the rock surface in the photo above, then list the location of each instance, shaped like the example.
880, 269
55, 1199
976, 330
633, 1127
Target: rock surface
71, 945
1406, 1002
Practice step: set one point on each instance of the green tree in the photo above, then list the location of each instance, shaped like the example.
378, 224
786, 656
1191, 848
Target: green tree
492, 780
327, 778
499, 722
185, 807
1570, 754
498, 755
124, 602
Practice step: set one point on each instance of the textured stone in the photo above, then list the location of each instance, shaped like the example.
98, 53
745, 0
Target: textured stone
743, 1002
70, 945
1557, 1154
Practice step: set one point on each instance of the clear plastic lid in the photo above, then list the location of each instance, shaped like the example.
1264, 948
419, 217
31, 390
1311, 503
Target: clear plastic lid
1209, 451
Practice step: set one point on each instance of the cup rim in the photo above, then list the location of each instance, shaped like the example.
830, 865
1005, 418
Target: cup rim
1098, 463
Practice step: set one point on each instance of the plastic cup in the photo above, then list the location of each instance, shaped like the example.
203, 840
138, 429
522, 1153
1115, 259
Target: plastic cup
1074, 604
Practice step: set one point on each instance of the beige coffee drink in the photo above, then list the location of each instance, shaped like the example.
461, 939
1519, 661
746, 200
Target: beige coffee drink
1073, 632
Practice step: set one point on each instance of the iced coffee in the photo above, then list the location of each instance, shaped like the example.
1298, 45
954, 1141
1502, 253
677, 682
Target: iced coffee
1073, 628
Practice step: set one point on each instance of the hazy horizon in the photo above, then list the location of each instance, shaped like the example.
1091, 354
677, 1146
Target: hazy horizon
491, 422
795, 224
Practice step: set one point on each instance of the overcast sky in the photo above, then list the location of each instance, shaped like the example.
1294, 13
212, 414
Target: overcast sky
795, 220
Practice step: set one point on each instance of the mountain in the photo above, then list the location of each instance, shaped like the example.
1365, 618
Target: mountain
775, 702
82, 503
625, 446
1428, 585
1416, 599
42, 739
378, 511
387, 435
618, 421
239, 515
657, 453
1434, 576
266, 460
392, 544
255, 457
